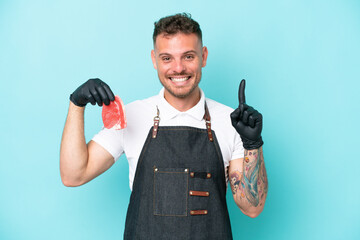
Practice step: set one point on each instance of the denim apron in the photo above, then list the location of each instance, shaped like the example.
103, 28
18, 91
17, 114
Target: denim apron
179, 189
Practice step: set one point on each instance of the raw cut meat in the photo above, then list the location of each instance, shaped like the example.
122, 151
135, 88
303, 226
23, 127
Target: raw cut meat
113, 115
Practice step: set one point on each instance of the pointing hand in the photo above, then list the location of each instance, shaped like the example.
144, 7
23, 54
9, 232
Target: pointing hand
247, 122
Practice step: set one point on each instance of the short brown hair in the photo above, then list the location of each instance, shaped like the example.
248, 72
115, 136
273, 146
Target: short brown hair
181, 22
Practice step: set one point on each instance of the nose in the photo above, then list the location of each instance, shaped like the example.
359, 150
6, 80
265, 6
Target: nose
178, 66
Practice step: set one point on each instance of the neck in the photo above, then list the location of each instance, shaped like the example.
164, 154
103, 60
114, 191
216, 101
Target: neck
183, 104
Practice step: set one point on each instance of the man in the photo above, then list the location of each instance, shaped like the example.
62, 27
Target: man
179, 144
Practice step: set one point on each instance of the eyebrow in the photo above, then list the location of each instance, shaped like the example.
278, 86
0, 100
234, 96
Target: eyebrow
187, 52
191, 51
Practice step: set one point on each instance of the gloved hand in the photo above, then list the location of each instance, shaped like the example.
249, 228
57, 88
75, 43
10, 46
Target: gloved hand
93, 91
247, 122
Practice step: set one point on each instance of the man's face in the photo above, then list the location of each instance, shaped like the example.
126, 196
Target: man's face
178, 60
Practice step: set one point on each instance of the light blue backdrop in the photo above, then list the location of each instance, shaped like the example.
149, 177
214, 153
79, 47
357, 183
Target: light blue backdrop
301, 62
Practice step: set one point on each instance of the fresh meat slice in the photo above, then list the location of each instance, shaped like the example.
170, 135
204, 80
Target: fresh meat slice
113, 115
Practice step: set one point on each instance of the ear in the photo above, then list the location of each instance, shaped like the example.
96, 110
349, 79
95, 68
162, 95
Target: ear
204, 56
153, 59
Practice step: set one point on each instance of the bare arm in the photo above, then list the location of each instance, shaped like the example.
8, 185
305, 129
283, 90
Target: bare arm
80, 162
248, 182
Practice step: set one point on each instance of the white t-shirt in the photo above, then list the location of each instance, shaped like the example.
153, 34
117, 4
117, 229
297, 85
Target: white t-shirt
140, 118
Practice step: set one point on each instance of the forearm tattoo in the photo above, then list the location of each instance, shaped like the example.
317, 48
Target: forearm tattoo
251, 184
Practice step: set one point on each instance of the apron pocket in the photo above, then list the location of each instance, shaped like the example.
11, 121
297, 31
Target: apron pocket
170, 191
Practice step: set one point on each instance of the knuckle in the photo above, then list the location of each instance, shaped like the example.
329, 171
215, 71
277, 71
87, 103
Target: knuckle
94, 81
95, 94
104, 84
88, 96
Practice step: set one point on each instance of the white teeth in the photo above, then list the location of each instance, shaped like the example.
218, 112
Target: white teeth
177, 79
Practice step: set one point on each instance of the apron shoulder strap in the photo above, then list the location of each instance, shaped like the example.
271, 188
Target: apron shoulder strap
206, 118
208, 123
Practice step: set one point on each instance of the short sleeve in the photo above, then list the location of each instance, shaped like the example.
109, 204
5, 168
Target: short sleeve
112, 140
238, 151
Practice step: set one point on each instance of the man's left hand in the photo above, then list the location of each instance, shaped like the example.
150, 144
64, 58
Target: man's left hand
247, 122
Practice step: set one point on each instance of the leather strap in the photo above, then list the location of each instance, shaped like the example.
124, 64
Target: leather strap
202, 175
199, 193
156, 123
208, 123
206, 118
198, 212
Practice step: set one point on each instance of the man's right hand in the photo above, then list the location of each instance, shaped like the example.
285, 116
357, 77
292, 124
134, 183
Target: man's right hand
93, 91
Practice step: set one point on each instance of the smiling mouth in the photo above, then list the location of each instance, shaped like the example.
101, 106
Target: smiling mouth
179, 79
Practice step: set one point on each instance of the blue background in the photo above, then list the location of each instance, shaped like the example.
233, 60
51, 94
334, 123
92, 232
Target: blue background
301, 62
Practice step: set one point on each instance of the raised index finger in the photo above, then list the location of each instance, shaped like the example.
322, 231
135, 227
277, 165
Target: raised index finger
242, 92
